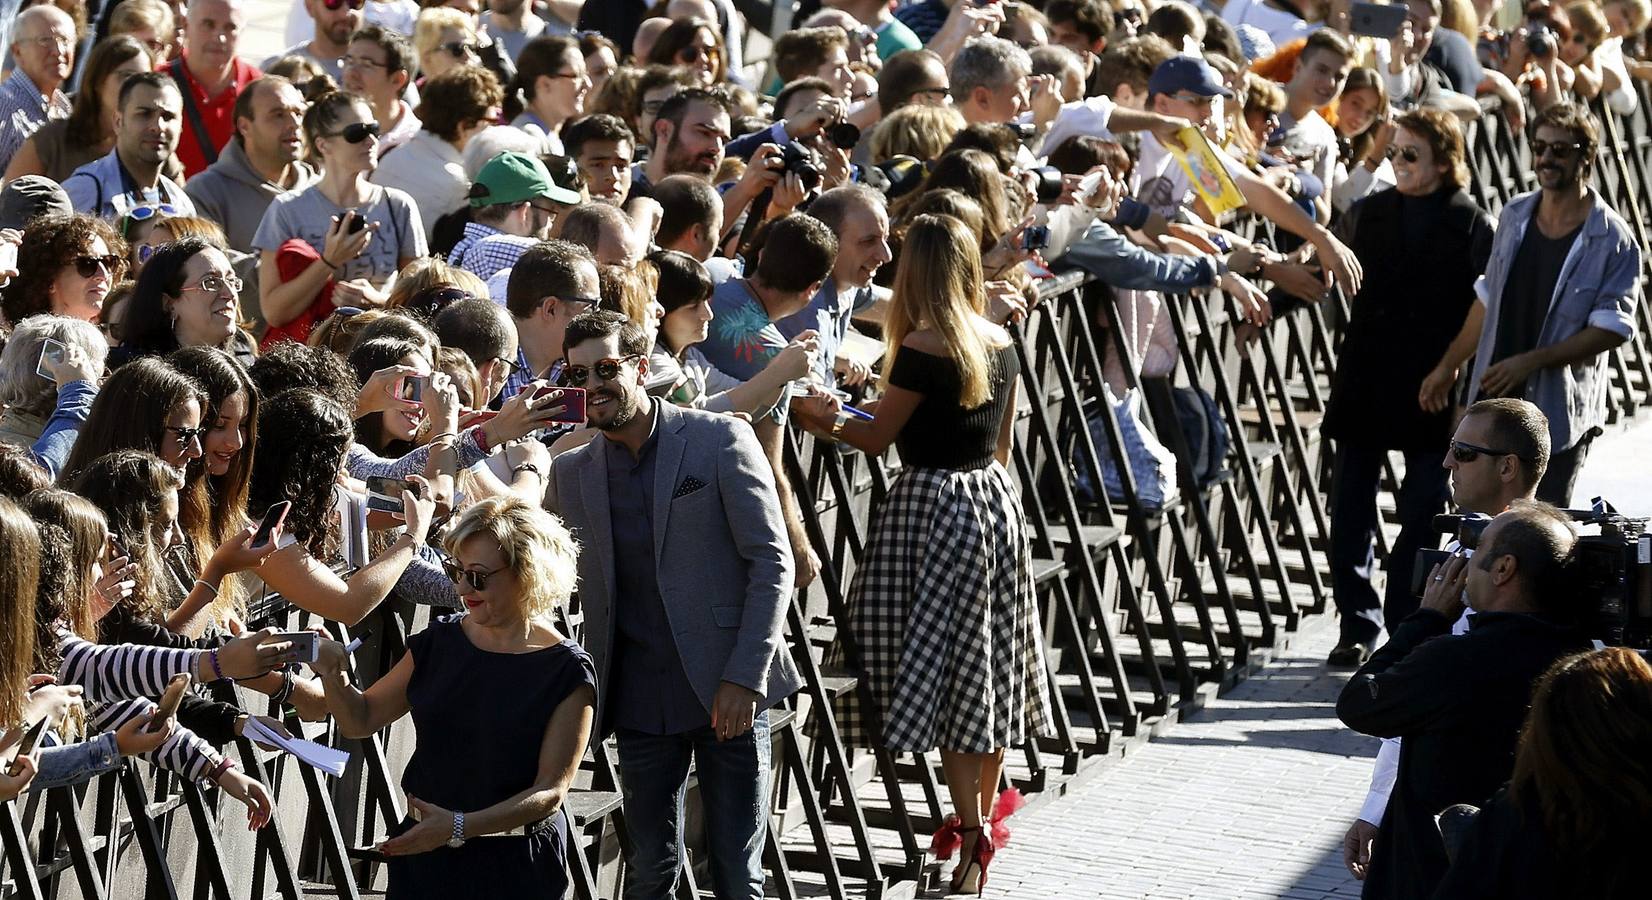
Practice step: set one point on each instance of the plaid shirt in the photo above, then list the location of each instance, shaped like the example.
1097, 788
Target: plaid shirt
23, 108
485, 250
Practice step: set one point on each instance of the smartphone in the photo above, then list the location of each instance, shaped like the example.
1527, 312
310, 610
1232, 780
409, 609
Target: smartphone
385, 494
304, 644
1035, 237
168, 708
353, 221
571, 399
31, 739
413, 387
50, 352
8, 256
273, 519
1378, 20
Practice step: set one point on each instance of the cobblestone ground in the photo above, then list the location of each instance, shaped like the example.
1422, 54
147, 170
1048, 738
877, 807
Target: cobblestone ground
1247, 798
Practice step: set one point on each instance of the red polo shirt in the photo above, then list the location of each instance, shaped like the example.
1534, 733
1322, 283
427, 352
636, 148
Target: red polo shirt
217, 114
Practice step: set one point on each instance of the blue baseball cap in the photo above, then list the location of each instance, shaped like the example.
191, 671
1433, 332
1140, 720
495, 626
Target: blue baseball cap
1186, 73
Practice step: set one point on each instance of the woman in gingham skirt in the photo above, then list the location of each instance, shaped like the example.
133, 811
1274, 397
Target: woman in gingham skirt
941, 609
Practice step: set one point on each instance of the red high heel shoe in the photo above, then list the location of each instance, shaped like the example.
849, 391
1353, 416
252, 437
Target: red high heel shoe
971, 875
1008, 803
947, 837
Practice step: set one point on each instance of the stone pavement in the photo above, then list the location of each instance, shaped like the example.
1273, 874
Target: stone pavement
1246, 798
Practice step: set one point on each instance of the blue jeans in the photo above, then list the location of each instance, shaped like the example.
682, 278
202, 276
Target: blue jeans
734, 791
1356, 477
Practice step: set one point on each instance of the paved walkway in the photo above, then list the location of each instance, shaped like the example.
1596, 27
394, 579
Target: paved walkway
1247, 798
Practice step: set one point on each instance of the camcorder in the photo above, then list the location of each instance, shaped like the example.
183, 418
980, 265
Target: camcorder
1610, 573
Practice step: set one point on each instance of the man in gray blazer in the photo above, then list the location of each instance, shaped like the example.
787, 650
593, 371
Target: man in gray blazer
684, 578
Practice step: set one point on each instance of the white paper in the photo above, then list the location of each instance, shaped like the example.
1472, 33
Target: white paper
321, 756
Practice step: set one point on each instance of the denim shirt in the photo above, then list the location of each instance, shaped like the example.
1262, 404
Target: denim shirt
1599, 286
74, 403
62, 766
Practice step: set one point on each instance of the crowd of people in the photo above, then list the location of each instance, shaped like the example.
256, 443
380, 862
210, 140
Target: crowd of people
480, 302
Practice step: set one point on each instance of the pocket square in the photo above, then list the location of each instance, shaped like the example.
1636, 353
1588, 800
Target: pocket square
689, 486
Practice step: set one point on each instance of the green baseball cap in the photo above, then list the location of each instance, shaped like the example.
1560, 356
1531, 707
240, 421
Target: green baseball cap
513, 178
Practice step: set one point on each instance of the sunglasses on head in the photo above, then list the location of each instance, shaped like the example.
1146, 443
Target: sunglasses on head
606, 369
1467, 453
87, 266
356, 132
1562, 150
460, 575
146, 212
336, 5
1409, 154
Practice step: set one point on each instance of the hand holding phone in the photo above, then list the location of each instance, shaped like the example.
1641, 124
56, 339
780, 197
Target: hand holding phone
31, 739
413, 388
269, 527
52, 353
305, 644
385, 494
571, 401
168, 707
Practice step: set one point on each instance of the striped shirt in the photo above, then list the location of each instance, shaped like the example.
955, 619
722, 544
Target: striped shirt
23, 108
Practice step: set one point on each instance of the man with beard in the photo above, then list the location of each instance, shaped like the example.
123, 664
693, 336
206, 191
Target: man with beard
684, 579
259, 164
511, 211
43, 46
690, 133
1558, 295
210, 77
335, 21
146, 134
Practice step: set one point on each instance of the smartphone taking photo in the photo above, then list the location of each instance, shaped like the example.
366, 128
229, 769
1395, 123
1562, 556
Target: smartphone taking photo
53, 352
31, 739
305, 644
168, 708
274, 518
571, 399
385, 494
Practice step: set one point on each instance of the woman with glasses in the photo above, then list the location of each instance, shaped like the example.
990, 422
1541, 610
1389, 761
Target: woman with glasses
444, 39
66, 265
186, 296
1385, 395
59, 147
550, 89
486, 816
341, 241
696, 45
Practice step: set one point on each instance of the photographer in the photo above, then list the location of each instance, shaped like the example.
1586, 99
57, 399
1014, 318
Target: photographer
1458, 700
1487, 481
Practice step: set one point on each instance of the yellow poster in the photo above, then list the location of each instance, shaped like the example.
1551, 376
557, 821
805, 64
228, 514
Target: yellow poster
1210, 178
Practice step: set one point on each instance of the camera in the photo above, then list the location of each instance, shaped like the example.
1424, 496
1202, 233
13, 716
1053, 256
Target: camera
843, 135
1540, 40
894, 177
799, 160
1610, 575
1047, 184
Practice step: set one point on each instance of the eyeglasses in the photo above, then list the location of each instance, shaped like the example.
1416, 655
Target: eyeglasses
49, 41
461, 49
356, 132
942, 91
146, 212
145, 251
87, 266
1467, 453
360, 62
187, 436
216, 284
460, 575
336, 5
606, 369
511, 366
1562, 150
1409, 154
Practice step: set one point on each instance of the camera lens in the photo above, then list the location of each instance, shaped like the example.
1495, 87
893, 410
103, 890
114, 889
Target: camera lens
843, 136
1048, 187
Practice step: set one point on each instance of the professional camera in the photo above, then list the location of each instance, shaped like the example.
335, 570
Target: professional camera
1048, 184
1540, 40
843, 135
800, 160
1611, 570
894, 177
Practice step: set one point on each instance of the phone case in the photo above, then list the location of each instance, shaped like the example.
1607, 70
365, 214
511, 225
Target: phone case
573, 404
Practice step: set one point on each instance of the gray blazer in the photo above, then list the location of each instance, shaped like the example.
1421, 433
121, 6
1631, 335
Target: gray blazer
723, 560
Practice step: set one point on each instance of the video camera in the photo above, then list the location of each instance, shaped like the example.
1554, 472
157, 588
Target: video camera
1611, 571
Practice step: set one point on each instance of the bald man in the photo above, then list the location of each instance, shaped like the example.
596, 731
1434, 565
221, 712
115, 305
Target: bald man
210, 77
43, 48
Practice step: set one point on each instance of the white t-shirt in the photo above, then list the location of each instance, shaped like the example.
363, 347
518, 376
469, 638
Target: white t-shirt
1313, 142
1281, 26
1160, 181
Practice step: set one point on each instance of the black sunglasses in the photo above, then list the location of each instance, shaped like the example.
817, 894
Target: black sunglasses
511, 366
87, 266
606, 369
461, 49
356, 132
1563, 150
185, 435
1467, 453
1409, 154
460, 575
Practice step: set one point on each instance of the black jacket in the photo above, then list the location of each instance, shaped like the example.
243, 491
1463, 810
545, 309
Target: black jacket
1421, 256
1507, 855
1458, 701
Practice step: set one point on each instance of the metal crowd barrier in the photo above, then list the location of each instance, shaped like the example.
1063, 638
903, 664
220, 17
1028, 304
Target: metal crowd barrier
1145, 611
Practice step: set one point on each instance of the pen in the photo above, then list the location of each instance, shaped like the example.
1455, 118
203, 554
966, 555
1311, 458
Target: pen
351, 647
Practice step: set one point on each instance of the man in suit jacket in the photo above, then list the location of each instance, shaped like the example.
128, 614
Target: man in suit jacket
684, 581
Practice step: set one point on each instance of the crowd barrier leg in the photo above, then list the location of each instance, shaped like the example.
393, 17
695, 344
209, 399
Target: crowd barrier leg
19, 872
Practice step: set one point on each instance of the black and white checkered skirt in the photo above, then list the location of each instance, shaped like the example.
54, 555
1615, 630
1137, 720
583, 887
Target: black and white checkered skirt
942, 610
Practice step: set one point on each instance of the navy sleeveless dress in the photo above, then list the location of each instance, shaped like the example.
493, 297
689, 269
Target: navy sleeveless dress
479, 719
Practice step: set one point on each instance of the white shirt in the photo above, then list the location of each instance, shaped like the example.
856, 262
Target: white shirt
1281, 26
1313, 142
1159, 181
431, 171
1080, 117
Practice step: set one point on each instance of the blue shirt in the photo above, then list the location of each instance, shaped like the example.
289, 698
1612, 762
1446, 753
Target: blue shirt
742, 340
648, 689
1598, 287
104, 188
925, 17
485, 250
829, 314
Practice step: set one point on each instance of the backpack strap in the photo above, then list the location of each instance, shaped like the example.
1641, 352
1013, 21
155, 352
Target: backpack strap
203, 140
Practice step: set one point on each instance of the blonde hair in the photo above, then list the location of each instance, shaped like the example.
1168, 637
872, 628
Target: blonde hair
938, 286
536, 546
428, 272
433, 20
917, 131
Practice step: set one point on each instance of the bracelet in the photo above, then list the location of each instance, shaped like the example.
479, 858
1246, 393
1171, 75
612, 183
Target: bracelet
217, 772
212, 657
286, 689
326, 262
203, 583
528, 467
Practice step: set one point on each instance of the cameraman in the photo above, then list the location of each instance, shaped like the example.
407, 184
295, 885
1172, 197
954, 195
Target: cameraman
1498, 455
1459, 700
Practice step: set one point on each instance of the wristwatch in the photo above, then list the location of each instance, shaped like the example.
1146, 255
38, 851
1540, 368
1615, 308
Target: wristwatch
458, 839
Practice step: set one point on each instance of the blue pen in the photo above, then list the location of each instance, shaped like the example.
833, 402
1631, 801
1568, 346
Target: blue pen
861, 414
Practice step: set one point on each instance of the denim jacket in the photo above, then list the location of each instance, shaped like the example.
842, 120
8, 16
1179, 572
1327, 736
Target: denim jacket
1599, 286
62, 766
1111, 257
74, 404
